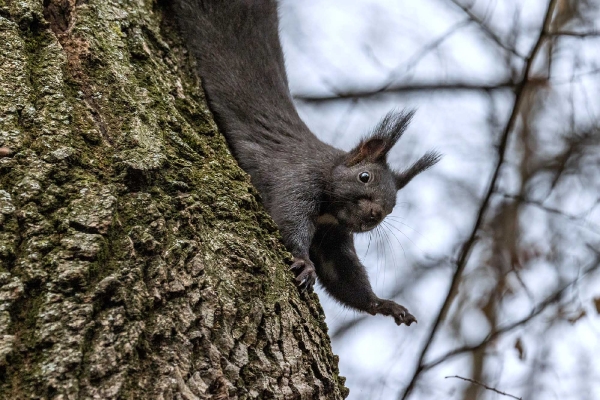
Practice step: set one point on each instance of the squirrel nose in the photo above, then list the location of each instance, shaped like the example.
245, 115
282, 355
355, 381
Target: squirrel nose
376, 213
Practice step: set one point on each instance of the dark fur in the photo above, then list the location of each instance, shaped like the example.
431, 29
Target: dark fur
310, 188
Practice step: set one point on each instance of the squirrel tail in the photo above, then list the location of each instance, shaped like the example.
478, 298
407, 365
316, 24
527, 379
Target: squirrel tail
239, 57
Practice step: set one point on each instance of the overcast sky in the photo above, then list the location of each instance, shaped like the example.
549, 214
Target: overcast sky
335, 47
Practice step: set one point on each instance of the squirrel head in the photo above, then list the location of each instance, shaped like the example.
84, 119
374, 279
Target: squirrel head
364, 187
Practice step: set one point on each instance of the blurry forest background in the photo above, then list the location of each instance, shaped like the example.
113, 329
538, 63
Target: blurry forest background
496, 250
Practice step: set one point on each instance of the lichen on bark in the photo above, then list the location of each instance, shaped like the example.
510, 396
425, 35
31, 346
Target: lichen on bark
135, 258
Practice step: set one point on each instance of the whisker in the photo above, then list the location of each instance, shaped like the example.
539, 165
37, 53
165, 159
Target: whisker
388, 226
391, 250
377, 253
368, 244
406, 236
395, 217
389, 244
398, 219
394, 261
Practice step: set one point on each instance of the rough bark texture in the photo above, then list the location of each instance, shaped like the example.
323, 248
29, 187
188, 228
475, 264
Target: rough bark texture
135, 258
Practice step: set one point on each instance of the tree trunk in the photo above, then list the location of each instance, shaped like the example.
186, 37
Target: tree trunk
135, 258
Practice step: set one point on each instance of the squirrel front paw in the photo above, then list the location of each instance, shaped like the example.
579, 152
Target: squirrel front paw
395, 310
305, 274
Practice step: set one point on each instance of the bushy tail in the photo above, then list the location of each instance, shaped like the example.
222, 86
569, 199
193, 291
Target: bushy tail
239, 57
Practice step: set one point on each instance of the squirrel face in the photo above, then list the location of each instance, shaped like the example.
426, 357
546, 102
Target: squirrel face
362, 195
363, 187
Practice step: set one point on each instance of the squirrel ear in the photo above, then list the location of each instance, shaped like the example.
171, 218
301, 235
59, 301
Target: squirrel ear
372, 150
375, 147
428, 160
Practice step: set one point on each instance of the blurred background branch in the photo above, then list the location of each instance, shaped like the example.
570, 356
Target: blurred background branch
495, 250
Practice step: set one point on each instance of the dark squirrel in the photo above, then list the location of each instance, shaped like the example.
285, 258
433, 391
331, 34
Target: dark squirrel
318, 195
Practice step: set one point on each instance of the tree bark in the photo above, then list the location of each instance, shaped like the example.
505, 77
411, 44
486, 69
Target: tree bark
135, 258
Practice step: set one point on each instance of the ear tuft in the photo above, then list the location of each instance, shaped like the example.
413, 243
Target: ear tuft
427, 161
375, 146
370, 150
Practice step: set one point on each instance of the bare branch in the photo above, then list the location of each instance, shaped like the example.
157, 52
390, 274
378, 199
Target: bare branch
553, 298
486, 29
402, 88
576, 34
425, 50
484, 385
472, 239
551, 210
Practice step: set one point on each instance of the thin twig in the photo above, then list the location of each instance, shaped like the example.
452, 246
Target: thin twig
535, 203
424, 51
576, 34
486, 29
401, 88
485, 386
537, 310
472, 239
354, 94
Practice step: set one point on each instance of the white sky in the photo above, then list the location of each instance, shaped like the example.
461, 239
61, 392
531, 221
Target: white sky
334, 45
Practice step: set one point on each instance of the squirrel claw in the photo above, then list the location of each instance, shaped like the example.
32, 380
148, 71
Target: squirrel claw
305, 274
395, 310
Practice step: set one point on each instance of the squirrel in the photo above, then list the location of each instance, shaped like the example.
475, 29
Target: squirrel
318, 195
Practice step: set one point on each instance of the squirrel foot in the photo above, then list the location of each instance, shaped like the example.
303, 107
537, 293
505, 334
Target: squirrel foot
305, 274
395, 310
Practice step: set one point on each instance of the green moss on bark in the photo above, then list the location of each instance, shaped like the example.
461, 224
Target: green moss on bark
135, 258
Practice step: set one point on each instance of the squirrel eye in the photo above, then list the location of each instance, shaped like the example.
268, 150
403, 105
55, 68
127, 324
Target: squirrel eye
364, 177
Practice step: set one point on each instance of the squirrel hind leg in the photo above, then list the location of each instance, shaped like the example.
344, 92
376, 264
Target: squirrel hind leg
344, 277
